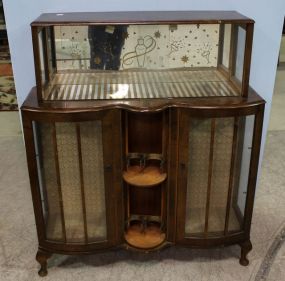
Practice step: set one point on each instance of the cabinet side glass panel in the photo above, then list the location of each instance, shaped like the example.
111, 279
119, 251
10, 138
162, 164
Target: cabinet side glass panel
226, 41
47, 62
41, 57
242, 165
51, 59
240, 50
48, 180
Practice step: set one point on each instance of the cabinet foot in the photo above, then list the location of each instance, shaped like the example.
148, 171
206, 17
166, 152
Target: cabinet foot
245, 249
42, 258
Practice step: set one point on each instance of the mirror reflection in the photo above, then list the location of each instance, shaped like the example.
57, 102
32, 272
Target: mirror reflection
140, 61
130, 47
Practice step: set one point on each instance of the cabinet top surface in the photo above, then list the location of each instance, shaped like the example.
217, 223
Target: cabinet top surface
141, 105
140, 17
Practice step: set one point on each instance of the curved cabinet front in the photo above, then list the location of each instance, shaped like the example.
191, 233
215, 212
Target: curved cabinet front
74, 160
217, 165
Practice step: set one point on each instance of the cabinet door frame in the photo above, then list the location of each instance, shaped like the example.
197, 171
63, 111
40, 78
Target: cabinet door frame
183, 117
111, 134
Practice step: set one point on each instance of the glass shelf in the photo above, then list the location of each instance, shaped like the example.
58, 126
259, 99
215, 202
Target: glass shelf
138, 84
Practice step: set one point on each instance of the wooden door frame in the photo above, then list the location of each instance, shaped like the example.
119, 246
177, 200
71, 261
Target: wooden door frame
111, 129
182, 119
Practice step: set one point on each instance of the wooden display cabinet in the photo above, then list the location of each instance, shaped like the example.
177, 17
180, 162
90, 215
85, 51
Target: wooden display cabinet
128, 147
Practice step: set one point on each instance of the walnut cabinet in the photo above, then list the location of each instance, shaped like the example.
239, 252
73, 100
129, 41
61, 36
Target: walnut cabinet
128, 148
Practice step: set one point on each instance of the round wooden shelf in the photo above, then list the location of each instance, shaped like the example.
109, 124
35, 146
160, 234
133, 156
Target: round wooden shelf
146, 177
150, 238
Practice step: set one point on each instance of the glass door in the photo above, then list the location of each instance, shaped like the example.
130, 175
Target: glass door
213, 174
76, 175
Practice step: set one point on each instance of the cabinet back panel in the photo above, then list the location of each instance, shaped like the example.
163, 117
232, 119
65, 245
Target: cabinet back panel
145, 201
145, 132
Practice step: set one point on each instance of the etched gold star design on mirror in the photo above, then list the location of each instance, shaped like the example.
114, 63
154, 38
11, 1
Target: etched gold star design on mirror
185, 59
157, 34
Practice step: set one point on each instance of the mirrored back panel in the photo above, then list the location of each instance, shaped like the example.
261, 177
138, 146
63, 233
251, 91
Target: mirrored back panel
79, 62
149, 47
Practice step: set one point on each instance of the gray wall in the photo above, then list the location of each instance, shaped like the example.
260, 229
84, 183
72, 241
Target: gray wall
268, 16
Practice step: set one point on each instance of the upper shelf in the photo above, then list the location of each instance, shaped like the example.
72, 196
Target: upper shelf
247, 105
143, 17
142, 55
136, 84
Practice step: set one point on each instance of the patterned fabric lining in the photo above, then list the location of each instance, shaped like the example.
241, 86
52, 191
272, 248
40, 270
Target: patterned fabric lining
73, 212
198, 176
138, 84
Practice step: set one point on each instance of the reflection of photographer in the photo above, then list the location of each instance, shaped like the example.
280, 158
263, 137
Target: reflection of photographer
106, 43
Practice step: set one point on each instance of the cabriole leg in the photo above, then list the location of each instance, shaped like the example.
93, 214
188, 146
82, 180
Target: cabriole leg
245, 249
42, 258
